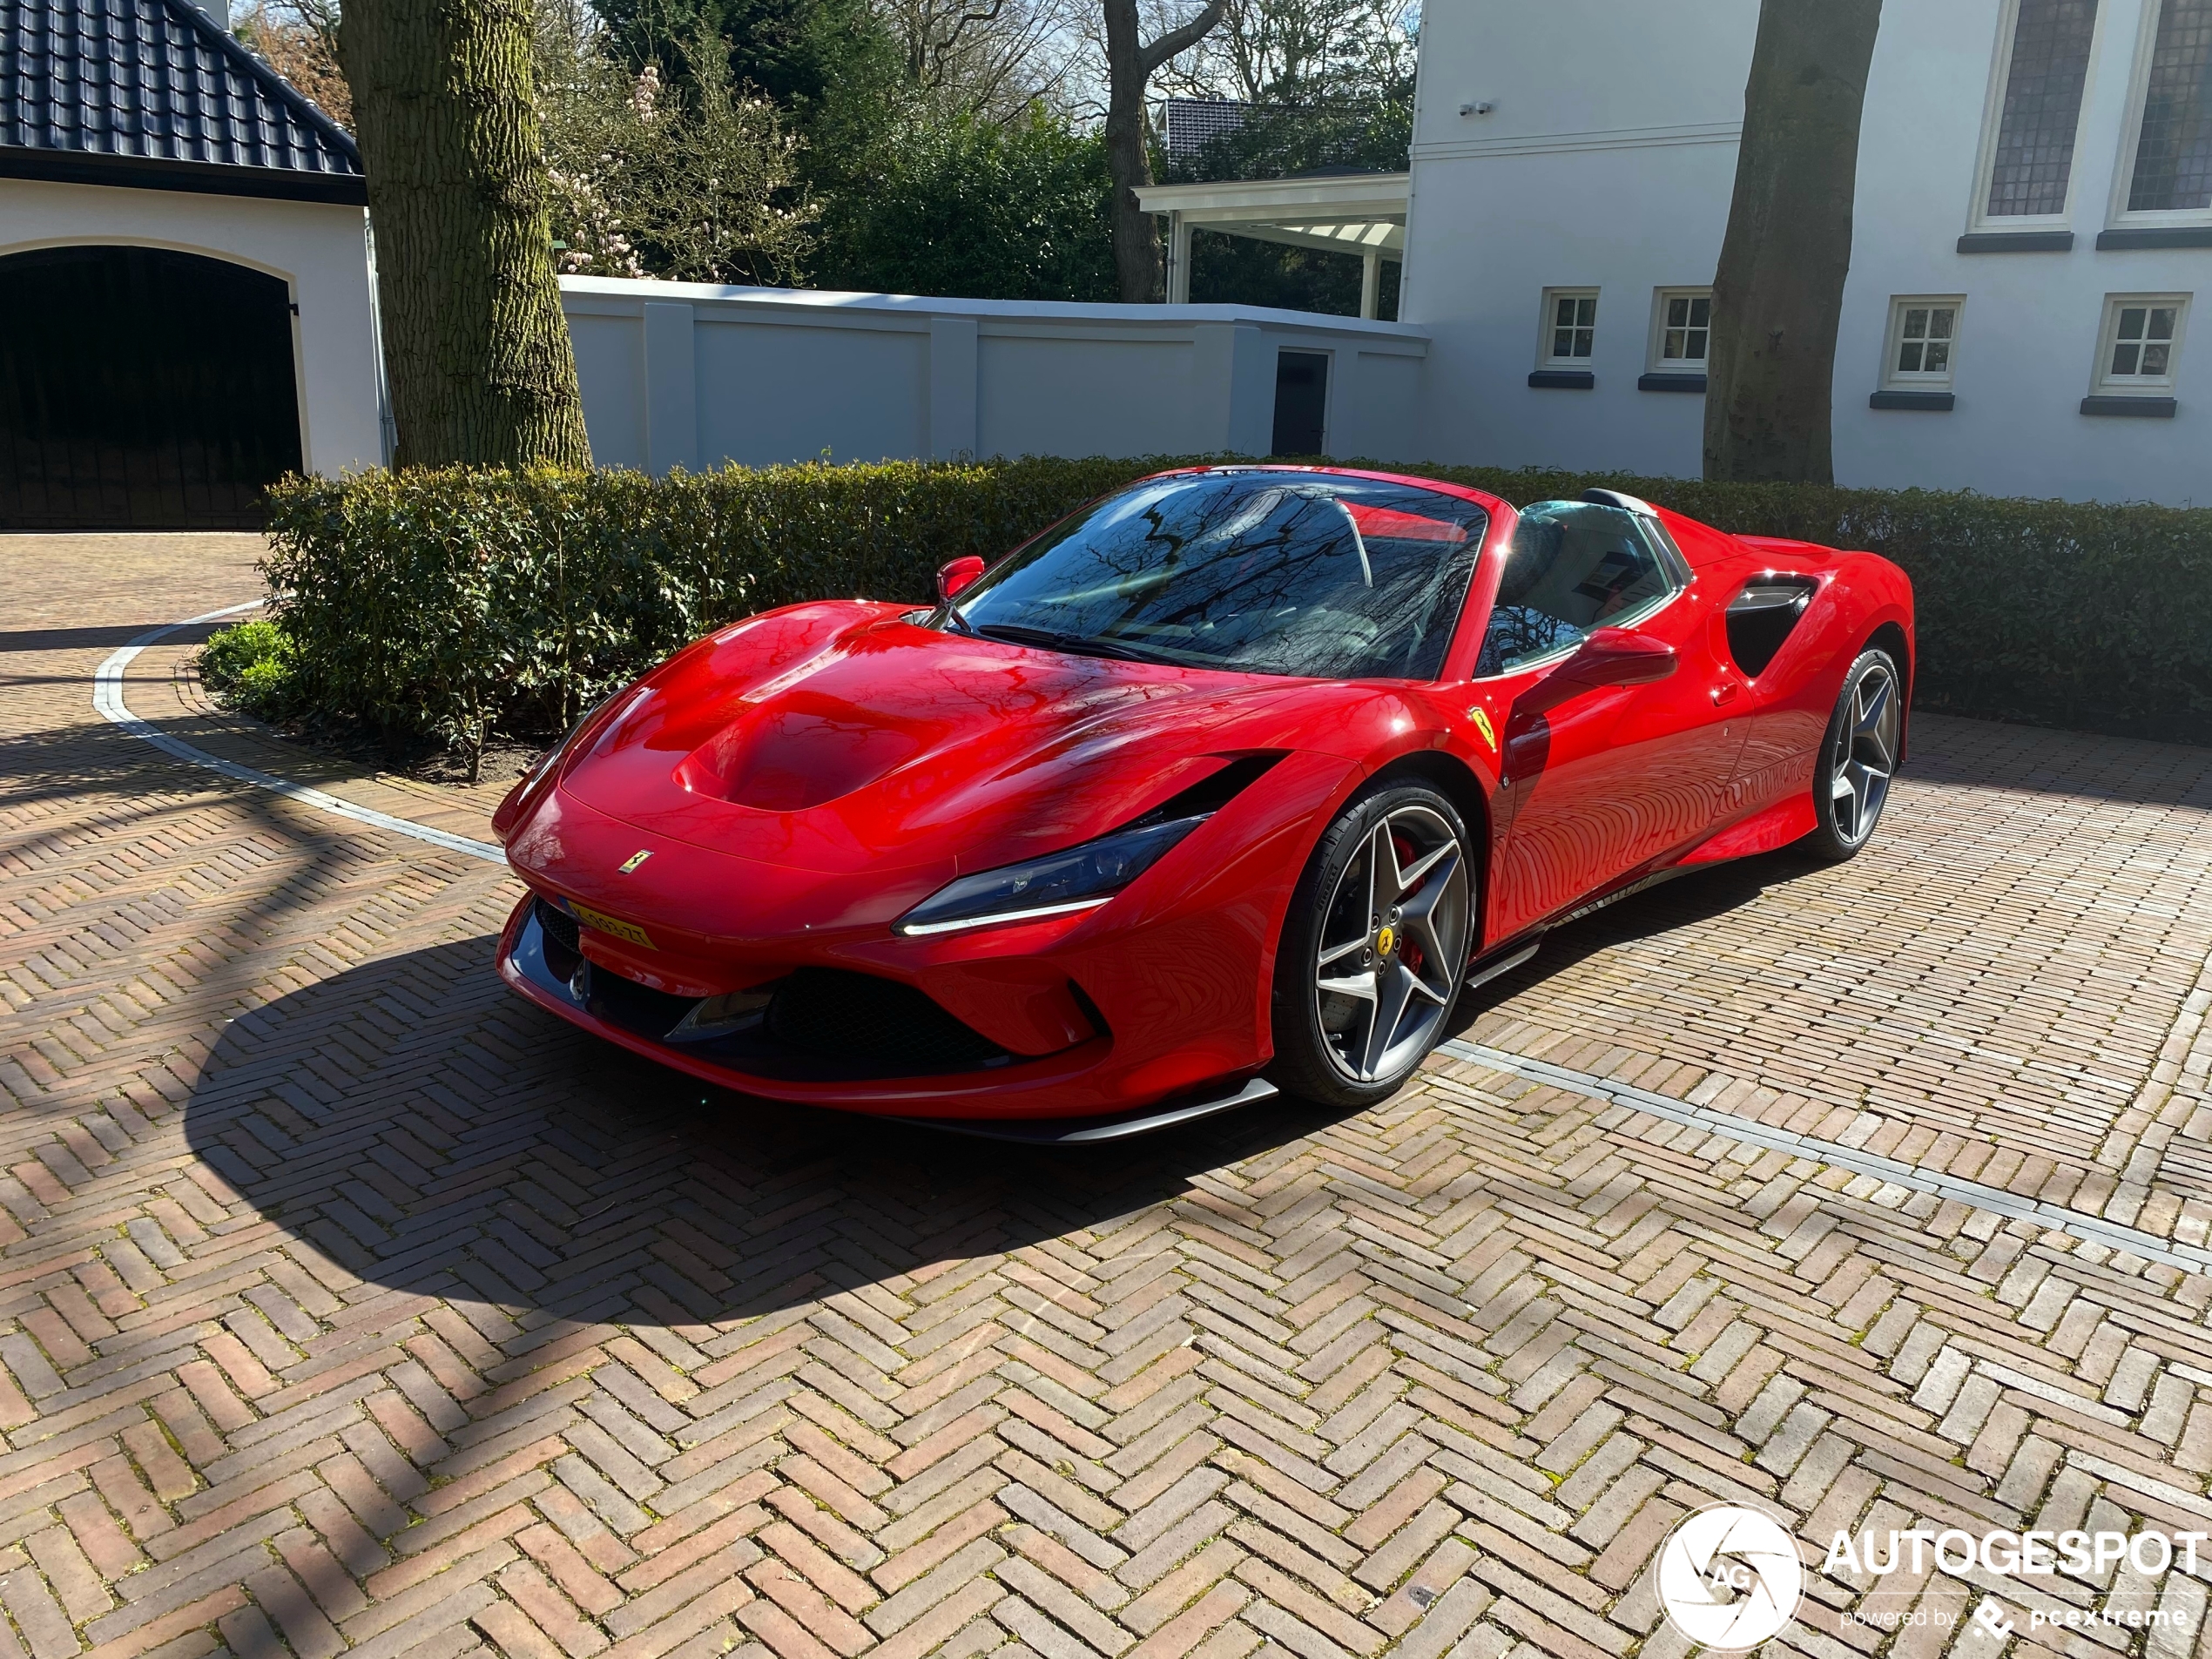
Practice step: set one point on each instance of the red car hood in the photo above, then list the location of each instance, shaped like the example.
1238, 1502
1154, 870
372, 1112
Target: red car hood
835, 739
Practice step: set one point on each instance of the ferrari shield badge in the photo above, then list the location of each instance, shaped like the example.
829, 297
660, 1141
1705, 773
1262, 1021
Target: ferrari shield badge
1481, 718
634, 860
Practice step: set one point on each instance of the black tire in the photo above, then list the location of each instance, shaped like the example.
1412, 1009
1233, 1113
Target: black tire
1851, 783
1331, 1046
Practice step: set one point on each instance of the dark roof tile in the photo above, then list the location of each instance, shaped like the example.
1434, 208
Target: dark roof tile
154, 80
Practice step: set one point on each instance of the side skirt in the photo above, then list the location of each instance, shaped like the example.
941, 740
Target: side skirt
1483, 973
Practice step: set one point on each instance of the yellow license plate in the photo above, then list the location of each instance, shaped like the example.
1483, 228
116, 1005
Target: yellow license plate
599, 921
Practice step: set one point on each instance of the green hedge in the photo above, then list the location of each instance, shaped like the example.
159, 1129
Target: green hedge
457, 602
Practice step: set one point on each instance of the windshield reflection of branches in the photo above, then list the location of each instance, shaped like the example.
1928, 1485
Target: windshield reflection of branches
1248, 572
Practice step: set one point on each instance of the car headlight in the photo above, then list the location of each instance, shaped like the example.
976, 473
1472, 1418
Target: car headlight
1059, 884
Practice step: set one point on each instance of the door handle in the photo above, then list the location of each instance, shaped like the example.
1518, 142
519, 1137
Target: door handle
1725, 692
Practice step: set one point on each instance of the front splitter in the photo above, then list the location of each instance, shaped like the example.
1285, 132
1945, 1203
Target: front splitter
1089, 1132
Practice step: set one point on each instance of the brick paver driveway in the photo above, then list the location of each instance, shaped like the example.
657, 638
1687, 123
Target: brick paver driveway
350, 1303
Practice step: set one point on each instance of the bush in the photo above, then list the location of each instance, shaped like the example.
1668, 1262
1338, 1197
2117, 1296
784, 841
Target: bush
955, 205
695, 181
454, 602
253, 667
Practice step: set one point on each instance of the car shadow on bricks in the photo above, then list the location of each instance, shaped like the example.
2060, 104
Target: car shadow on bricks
416, 1123
30, 639
1698, 896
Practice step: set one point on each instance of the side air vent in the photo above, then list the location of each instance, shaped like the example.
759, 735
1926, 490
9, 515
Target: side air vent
1214, 791
1763, 616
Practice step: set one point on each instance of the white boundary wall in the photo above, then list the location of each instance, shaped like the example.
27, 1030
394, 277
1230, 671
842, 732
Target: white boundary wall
692, 375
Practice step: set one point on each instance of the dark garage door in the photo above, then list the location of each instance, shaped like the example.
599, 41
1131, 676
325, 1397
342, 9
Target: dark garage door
141, 389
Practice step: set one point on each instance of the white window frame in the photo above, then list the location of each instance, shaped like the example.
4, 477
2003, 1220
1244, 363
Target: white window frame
1896, 379
1978, 217
1654, 363
2131, 137
1545, 325
2102, 382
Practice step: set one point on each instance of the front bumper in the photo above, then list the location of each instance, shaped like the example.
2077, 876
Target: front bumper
977, 1086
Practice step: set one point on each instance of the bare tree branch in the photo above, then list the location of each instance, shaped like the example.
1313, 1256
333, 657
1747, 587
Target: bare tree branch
1177, 41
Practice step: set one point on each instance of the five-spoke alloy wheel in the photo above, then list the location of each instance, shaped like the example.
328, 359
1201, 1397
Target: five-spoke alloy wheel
1859, 757
1374, 948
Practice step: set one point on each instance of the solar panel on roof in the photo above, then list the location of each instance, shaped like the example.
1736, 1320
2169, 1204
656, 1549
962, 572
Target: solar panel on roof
1191, 123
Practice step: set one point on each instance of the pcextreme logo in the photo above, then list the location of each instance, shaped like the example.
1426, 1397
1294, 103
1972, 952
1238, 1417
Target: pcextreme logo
1729, 1577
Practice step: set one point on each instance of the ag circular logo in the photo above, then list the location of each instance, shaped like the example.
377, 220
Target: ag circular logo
1729, 1577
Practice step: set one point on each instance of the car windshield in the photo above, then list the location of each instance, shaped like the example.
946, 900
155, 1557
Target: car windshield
1308, 574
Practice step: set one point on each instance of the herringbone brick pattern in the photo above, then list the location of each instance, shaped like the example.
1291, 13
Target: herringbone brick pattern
2012, 988
349, 1306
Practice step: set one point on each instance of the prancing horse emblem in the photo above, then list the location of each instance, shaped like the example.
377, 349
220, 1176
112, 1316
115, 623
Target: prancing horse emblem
634, 860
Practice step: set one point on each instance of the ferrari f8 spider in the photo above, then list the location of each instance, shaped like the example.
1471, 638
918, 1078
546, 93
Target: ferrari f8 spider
1228, 782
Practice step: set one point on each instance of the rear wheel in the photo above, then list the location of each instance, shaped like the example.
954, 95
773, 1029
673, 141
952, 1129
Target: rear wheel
1859, 757
1373, 948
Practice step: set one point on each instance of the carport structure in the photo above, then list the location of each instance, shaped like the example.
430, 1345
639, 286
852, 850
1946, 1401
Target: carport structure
1346, 212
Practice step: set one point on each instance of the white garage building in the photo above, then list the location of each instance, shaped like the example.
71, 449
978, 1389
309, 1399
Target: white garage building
186, 310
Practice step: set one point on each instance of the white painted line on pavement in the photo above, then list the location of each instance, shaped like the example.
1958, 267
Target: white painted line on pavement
2090, 1228
107, 700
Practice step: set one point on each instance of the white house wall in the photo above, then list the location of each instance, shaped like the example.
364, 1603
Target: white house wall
1608, 161
2028, 332
318, 248
692, 375
1383, 404
1483, 275
611, 368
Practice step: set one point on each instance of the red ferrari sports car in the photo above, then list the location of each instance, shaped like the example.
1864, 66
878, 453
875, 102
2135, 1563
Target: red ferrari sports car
1231, 781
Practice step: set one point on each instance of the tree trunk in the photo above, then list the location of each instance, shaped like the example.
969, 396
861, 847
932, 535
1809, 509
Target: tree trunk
475, 344
1137, 236
1130, 67
1778, 297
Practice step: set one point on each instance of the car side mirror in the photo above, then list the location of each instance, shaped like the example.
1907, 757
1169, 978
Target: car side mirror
957, 576
1618, 656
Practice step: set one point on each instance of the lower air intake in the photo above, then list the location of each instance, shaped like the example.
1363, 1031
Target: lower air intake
829, 1011
560, 927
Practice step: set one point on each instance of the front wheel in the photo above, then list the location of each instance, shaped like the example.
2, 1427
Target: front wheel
1373, 948
1858, 756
